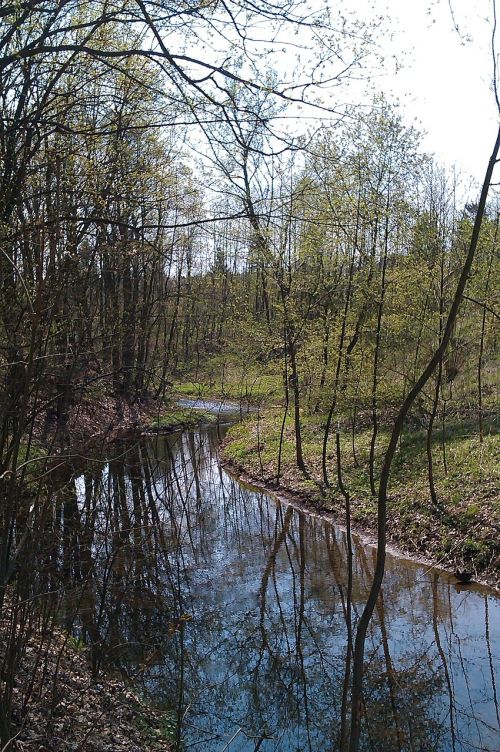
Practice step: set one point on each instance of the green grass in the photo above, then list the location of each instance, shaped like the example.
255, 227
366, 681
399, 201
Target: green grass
234, 384
178, 418
30, 463
157, 728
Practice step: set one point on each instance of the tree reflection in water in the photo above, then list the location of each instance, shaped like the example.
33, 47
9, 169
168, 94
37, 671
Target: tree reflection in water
232, 611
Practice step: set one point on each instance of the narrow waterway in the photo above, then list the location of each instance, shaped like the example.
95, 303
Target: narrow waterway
230, 609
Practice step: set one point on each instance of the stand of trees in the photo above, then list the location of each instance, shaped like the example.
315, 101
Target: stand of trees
344, 259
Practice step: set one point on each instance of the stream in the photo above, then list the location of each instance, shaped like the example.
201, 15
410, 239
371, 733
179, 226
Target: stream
228, 609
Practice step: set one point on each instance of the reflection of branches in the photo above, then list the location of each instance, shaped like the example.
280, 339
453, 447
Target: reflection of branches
391, 684
443, 659
490, 660
348, 604
271, 563
300, 621
473, 716
390, 673
277, 662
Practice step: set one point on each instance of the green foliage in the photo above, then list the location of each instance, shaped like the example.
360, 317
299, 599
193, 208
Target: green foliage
157, 728
76, 643
229, 378
178, 418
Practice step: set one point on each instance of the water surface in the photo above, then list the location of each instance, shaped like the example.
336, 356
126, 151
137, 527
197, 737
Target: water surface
230, 609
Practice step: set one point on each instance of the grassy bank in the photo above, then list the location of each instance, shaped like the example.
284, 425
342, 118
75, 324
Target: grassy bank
233, 379
176, 418
462, 531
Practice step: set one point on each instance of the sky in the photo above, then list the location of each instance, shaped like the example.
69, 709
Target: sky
444, 85
443, 82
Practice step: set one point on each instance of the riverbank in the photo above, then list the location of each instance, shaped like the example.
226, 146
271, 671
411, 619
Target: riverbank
55, 701
461, 533
58, 705
98, 421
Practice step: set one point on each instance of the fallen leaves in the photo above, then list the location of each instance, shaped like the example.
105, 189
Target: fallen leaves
57, 706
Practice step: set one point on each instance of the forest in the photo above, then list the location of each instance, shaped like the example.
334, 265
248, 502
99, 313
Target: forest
181, 222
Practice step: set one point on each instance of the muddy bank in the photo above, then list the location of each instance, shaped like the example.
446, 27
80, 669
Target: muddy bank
398, 544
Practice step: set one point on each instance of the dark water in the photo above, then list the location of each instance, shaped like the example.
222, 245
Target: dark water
230, 609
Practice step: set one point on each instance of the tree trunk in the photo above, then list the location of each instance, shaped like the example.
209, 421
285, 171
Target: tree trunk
359, 644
